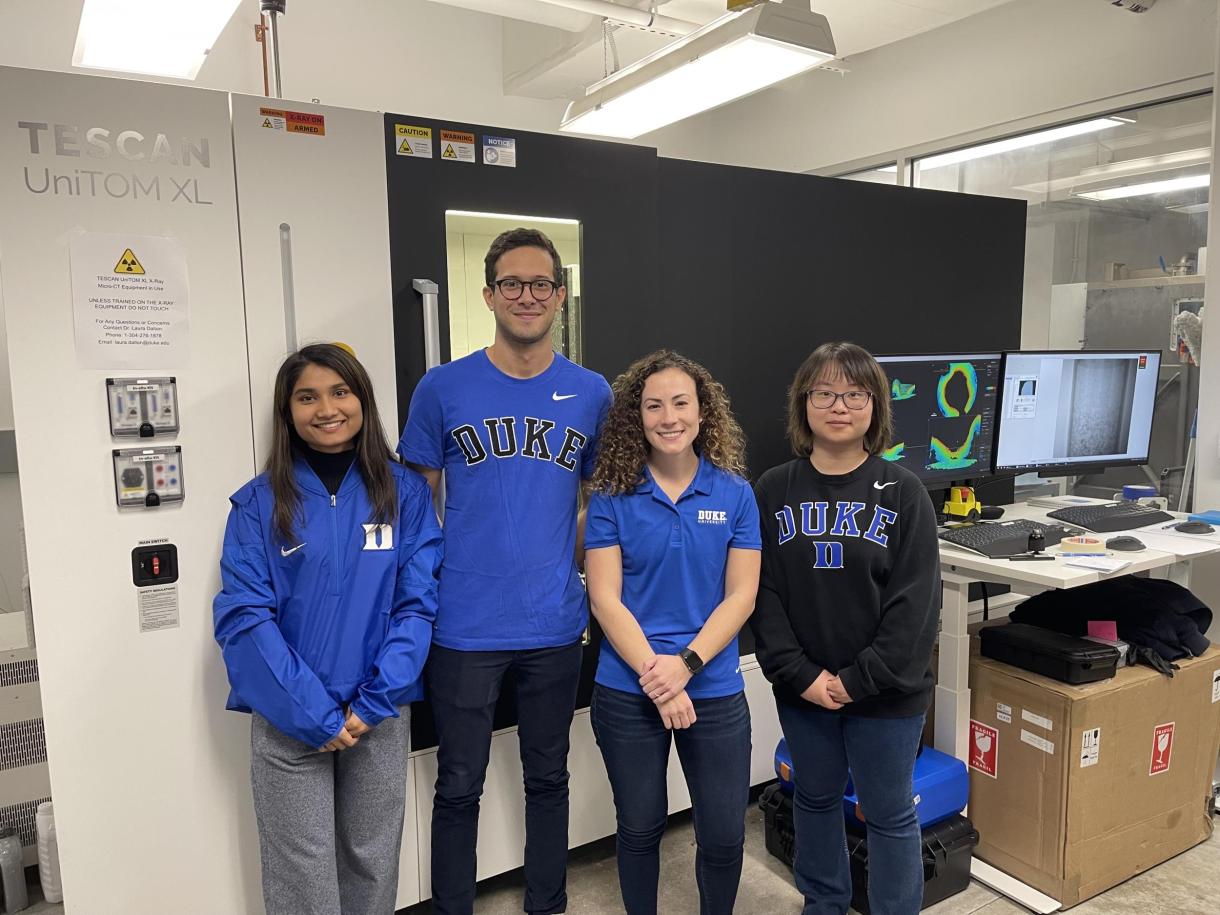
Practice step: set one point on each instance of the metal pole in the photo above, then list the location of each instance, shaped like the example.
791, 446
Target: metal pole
271, 9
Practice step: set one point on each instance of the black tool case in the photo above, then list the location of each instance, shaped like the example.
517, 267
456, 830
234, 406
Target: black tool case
1052, 654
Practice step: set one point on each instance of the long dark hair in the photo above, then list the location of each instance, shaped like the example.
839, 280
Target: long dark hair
622, 448
372, 448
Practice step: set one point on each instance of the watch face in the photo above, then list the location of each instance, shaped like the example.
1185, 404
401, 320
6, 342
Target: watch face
692, 661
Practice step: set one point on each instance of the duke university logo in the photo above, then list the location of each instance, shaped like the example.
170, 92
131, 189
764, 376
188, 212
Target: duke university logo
378, 537
713, 517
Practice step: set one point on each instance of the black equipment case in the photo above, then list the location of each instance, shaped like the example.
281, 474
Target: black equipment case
1052, 654
947, 848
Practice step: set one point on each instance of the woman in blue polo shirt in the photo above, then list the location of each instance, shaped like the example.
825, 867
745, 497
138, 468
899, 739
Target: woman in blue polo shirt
672, 561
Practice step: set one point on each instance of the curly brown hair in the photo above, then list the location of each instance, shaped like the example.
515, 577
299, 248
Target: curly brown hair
622, 448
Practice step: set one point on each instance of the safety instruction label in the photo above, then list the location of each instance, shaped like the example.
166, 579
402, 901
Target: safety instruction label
293, 121
413, 140
457, 146
158, 607
1090, 747
500, 151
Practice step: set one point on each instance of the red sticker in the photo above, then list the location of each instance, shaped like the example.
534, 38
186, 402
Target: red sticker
1162, 749
984, 748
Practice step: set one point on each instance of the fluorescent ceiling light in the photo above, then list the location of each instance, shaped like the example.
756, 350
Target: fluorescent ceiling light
153, 37
1150, 187
525, 220
729, 58
1190, 208
1124, 168
1022, 142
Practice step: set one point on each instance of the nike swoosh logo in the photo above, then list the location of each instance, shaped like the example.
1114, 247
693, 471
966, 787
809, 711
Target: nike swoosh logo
877, 485
284, 552
557, 396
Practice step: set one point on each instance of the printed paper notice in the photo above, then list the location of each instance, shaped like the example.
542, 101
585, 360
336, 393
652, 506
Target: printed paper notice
500, 151
130, 301
158, 607
1090, 747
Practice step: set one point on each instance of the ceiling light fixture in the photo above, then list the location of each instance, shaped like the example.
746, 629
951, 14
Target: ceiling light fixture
153, 37
1187, 183
1022, 142
731, 57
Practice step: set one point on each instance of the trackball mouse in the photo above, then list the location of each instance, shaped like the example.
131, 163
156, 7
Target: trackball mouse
1124, 544
1194, 527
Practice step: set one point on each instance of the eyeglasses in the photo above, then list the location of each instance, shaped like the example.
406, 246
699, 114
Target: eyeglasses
512, 288
853, 400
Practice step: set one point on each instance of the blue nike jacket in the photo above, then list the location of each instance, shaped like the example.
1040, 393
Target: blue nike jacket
340, 616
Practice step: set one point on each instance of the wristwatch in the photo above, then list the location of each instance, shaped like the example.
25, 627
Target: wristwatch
693, 662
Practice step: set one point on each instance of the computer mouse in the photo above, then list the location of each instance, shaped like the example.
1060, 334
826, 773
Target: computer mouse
1194, 527
1124, 544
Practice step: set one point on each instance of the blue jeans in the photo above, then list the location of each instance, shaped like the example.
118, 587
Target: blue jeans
881, 753
715, 756
463, 687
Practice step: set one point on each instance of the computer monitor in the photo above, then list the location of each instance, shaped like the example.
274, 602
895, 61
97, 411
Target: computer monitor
1076, 411
944, 414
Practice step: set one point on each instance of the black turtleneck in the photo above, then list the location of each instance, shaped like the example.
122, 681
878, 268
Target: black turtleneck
330, 468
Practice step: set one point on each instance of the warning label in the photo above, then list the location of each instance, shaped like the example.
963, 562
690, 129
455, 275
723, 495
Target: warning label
1162, 749
984, 748
129, 263
457, 146
293, 121
412, 140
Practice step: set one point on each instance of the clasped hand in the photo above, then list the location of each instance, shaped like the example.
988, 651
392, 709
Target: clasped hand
353, 729
827, 691
664, 677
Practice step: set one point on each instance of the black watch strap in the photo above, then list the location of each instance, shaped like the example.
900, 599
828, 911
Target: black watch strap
693, 662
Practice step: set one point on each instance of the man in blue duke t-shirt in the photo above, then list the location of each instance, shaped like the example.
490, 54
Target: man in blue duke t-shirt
514, 427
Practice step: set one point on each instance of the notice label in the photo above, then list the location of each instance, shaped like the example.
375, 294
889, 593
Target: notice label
1037, 720
457, 146
1162, 748
1034, 740
293, 121
1003, 712
500, 151
129, 301
158, 607
1090, 747
984, 748
413, 140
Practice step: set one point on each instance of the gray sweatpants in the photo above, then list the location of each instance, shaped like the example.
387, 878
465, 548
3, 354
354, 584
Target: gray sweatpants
330, 824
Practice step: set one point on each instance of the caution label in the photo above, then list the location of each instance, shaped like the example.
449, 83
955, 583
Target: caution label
412, 140
293, 121
129, 264
457, 146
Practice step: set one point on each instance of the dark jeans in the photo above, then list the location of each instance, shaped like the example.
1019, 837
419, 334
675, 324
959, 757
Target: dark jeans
881, 753
463, 688
715, 755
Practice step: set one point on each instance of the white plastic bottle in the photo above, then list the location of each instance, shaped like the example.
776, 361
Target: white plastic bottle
48, 853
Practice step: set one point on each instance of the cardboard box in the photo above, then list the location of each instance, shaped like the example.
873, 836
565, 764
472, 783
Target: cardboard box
1074, 789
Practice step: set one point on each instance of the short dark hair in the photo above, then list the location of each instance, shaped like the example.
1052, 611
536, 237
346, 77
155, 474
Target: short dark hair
520, 238
858, 366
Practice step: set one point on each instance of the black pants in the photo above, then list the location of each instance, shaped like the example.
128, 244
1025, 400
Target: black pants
463, 688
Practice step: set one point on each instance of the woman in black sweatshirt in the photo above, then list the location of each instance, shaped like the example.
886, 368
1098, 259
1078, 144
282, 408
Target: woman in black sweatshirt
844, 626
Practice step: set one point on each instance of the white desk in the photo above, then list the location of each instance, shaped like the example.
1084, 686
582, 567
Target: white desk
1168, 555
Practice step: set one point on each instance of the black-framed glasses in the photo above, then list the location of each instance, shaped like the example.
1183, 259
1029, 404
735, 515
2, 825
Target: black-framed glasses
512, 288
853, 400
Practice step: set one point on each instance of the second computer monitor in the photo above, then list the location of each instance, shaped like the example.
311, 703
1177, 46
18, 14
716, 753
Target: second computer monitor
944, 413
1076, 411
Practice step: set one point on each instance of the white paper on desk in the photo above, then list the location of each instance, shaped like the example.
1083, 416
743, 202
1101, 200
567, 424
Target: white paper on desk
1098, 563
1177, 543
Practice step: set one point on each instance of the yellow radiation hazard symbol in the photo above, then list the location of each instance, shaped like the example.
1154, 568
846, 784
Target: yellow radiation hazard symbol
449, 152
404, 149
267, 122
129, 263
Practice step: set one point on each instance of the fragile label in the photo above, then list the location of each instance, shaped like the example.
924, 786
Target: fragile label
293, 121
1003, 712
984, 748
1037, 720
1216, 686
500, 151
1090, 747
457, 146
413, 140
1162, 748
1034, 740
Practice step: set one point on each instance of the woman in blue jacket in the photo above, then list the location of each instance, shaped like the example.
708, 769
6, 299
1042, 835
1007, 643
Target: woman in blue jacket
325, 619
672, 542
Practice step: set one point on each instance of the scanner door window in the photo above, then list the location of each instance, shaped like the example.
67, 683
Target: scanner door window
14, 587
467, 238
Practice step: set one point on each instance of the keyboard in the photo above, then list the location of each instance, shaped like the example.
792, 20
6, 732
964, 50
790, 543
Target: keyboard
997, 539
1107, 517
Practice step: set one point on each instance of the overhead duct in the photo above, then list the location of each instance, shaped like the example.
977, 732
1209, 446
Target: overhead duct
575, 15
